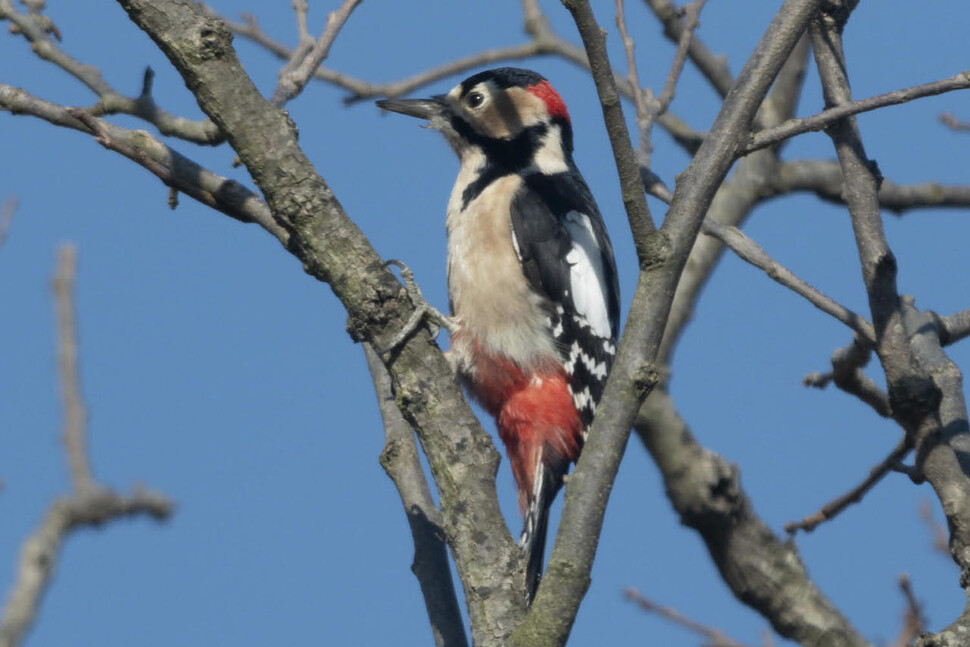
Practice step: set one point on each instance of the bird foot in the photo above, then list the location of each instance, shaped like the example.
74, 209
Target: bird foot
424, 312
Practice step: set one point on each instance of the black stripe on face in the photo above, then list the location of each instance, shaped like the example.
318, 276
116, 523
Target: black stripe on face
502, 157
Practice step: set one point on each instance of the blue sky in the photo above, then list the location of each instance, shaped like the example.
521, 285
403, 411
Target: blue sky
217, 371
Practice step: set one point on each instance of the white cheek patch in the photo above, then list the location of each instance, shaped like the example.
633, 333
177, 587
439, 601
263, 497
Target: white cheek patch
549, 158
586, 275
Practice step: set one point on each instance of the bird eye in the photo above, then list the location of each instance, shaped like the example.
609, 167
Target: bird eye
475, 99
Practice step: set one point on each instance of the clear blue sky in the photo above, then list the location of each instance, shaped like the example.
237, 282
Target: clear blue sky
218, 372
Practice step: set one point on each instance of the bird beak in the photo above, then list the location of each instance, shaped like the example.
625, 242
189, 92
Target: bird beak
420, 108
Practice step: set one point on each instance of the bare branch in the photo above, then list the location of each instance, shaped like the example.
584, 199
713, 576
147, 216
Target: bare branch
75, 412
714, 637
627, 167
847, 365
941, 543
925, 386
7, 210
296, 74
914, 620
33, 27
795, 127
761, 569
174, 169
692, 12
824, 178
751, 252
950, 120
41, 551
332, 249
714, 68
635, 372
832, 509
400, 460
89, 504
955, 327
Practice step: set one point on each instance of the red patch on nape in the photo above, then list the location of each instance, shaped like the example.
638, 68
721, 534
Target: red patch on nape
554, 103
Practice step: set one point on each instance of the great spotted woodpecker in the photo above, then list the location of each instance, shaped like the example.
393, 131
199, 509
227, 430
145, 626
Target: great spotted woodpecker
531, 278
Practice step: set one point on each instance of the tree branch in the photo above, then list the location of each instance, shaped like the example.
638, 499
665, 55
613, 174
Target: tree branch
89, 505
925, 386
75, 413
832, 509
824, 178
751, 252
297, 72
110, 101
635, 372
955, 327
949, 120
400, 460
794, 127
462, 458
174, 169
847, 365
713, 637
7, 209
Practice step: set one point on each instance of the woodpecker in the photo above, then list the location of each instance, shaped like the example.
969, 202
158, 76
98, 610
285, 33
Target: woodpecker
532, 282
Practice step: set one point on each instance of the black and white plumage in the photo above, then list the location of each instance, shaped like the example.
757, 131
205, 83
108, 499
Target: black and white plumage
531, 278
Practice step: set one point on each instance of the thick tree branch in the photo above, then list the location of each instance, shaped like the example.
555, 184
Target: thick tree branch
635, 371
762, 570
462, 458
925, 386
400, 460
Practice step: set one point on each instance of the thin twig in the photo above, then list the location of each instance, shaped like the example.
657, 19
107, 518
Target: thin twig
714, 68
950, 120
89, 504
75, 411
714, 637
941, 539
692, 12
914, 620
793, 127
751, 252
35, 28
832, 509
847, 365
7, 210
170, 166
297, 73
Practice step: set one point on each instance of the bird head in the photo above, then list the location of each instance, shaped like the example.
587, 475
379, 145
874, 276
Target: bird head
507, 113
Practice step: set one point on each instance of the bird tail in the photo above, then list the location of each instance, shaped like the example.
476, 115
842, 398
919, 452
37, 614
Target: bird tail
548, 481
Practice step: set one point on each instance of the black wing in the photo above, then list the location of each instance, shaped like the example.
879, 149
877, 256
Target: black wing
567, 258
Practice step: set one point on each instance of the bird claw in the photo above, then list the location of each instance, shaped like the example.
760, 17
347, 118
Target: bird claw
424, 312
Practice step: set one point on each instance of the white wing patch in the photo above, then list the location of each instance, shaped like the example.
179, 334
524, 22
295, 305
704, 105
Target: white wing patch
586, 275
